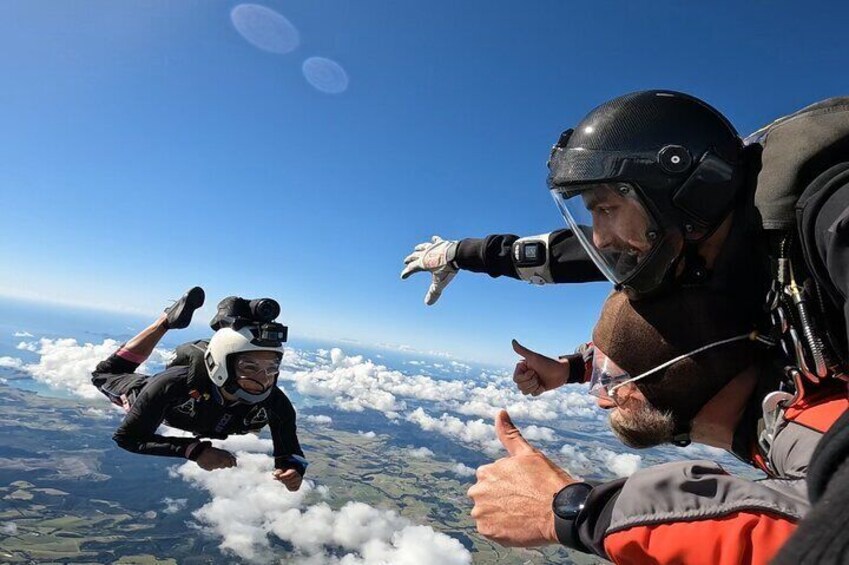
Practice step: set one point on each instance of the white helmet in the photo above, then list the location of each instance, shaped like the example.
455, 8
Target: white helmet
226, 342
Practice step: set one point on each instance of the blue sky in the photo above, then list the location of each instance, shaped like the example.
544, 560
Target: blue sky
146, 146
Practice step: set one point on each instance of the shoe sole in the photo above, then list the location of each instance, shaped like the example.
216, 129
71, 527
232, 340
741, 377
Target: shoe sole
194, 299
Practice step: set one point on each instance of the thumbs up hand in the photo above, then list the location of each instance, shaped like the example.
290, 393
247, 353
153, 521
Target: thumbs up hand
513, 496
536, 373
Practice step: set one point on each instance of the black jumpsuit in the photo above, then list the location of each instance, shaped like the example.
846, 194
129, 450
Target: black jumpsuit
169, 398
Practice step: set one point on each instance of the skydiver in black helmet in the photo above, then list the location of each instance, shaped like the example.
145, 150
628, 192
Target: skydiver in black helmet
231, 390
659, 191
681, 199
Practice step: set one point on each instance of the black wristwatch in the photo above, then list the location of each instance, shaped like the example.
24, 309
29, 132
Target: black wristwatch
567, 504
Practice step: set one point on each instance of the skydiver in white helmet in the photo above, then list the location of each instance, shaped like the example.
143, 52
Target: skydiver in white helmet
233, 390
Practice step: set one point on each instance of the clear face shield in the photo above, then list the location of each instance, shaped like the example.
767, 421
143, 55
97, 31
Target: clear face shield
613, 225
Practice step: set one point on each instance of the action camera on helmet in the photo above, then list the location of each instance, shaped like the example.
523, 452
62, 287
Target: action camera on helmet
236, 313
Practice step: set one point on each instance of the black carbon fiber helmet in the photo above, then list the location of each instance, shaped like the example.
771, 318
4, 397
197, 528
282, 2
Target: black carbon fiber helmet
665, 156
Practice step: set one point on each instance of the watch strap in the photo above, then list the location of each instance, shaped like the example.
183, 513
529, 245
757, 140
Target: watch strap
565, 527
566, 532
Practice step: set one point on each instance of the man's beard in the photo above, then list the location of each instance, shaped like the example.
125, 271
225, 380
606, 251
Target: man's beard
624, 261
644, 426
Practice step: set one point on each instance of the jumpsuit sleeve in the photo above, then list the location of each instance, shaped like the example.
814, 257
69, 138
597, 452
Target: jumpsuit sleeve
580, 364
688, 512
493, 255
281, 420
137, 433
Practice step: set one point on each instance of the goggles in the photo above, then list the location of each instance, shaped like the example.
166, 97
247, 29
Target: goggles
256, 376
607, 377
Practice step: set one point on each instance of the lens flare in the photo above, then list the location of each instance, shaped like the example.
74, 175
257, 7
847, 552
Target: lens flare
264, 28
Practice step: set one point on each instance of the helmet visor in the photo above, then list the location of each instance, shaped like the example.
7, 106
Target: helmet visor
612, 223
582, 165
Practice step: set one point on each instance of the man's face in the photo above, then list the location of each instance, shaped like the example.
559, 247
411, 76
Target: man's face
256, 371
620, 223
634, 420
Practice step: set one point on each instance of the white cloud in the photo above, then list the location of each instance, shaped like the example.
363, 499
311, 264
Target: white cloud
101, 414
23, 334
598, 461
622, 464
420, 453
66, 364
11, 363
248, 507
460, 367
701, 451
463, 470
537, 433
354, 384
9, 528
475, 432
501, 394
27, 346
244, 442
369, 435
177, 432
319, 420
576, 462
174, 505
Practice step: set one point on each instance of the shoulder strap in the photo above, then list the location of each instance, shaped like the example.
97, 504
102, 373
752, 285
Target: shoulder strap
796, 149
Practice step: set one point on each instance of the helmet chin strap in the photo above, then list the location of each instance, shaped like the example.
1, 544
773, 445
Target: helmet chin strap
642, 285
681, 435
695, 269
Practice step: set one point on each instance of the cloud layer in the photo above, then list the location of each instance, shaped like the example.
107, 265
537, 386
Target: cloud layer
66, 364
248, 508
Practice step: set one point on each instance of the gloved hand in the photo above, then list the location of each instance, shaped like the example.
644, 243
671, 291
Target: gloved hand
436, 257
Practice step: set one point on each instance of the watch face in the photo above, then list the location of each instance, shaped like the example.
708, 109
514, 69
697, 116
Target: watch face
531, 252
570, 500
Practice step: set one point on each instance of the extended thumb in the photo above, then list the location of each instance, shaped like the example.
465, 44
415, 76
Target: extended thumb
522, 350
510, 436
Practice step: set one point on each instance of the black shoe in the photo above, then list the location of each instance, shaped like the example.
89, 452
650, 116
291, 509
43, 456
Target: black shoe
180, 313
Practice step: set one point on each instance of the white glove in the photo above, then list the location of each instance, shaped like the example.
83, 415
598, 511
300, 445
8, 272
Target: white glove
436, 257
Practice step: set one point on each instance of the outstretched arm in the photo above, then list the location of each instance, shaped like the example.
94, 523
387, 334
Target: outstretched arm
555, 257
